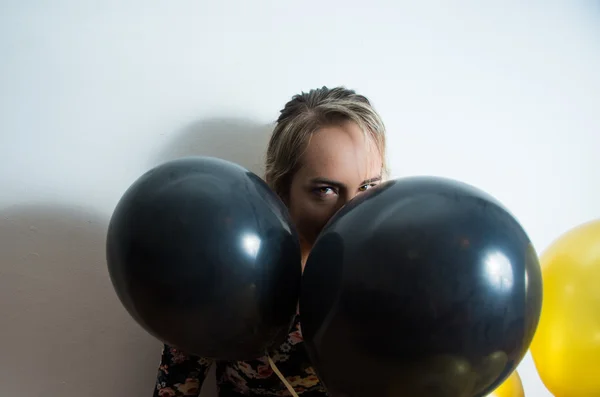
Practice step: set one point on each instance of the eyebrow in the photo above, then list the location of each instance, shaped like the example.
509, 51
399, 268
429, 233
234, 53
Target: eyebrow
372, 180
330, 182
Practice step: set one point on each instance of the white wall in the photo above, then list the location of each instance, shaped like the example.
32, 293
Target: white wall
501, 95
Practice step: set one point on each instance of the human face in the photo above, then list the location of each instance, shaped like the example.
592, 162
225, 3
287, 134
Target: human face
338, 164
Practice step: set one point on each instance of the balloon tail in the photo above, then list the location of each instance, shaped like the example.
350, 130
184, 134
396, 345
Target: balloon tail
281, 377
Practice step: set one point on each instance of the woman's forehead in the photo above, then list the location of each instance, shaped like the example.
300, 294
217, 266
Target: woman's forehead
342, 153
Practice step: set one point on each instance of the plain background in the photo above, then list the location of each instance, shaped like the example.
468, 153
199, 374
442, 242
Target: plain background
503, 95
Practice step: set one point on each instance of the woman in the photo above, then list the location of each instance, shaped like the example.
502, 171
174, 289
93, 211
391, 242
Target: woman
327, 147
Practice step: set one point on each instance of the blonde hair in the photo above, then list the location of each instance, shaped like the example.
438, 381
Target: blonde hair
308, 112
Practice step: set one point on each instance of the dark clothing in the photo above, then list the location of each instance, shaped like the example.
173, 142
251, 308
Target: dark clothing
182, 375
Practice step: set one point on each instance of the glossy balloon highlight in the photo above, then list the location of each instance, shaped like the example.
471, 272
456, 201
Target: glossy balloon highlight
203, 255
423, 286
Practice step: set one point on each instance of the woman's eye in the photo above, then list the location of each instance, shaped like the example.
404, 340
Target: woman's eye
324, 191
366, 187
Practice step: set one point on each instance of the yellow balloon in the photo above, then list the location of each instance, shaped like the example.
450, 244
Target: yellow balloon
566, 346
511, 387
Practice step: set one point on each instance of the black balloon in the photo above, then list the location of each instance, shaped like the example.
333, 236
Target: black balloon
203, 255
423, 286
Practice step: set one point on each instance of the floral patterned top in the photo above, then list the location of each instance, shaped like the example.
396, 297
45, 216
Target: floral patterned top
180, 374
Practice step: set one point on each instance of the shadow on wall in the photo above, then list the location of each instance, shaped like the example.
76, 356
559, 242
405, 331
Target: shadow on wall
241, 141
63, 330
